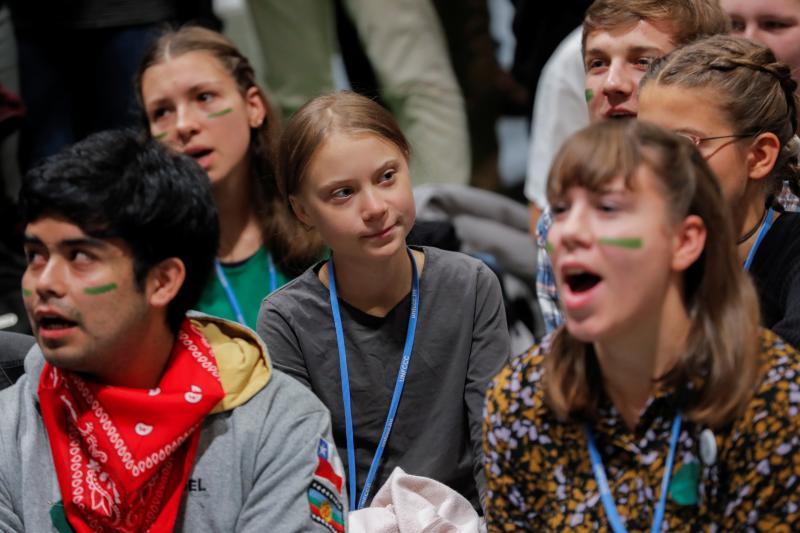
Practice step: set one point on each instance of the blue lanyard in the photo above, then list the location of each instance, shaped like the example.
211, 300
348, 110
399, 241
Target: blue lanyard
761, 233
599, 471
398, 387
223, 280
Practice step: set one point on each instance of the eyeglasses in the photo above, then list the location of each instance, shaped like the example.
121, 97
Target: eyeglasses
697, 141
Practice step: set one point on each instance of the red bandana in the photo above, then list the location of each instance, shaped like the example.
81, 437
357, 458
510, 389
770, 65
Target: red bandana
123, 455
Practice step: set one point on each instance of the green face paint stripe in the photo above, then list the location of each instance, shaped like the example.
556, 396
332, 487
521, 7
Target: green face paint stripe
631, 243
220, 113
160, 136
548, 246
589, 94
100, 289
26, 292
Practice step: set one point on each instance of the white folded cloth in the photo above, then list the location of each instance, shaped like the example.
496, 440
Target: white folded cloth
414, 504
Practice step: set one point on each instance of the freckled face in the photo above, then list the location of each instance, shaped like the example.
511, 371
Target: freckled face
194, 106
357, 193
84, 305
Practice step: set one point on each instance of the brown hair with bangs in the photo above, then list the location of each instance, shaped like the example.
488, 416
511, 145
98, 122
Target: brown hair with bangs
756, 93
345, 112
686, 20
723, 340
293, 247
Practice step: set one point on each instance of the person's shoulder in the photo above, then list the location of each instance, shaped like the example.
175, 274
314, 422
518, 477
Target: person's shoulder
282, 410
305, 288
301, 283
13, 348
776, 400
791, 219
459, 276
762, 449
530, 363
450, 263
776, 267
781, 364
24, 390
519, 382
790, 236
785, 232
18, 408
283, 398
12, 401
293, 392
24, 456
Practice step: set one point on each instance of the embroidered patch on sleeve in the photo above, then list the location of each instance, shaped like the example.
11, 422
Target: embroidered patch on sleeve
325, 470
325, 507
323, 449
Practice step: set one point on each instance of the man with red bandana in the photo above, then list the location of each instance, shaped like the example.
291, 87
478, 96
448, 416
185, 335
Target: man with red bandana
133, 415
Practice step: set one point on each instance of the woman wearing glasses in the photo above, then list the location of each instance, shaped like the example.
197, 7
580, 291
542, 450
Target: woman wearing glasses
738, 105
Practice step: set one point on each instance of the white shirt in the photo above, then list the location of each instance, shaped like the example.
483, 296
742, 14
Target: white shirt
559, 111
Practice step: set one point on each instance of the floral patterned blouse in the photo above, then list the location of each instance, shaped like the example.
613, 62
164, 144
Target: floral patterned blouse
540, 475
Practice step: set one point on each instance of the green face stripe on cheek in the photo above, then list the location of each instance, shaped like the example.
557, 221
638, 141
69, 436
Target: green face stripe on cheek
160, 136
26, 292
220, 113
101, 289
631, 243
548, 247
589, 94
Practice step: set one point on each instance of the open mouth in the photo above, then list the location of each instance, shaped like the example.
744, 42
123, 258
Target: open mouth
621, 114
52, 323
581, 281
199, 154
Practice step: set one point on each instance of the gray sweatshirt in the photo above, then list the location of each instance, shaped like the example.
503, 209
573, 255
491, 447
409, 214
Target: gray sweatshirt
254, 466
461, 343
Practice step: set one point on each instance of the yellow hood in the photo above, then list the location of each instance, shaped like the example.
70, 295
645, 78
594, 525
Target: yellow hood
242, 359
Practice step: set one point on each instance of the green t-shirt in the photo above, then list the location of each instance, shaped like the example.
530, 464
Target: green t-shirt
250, 283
